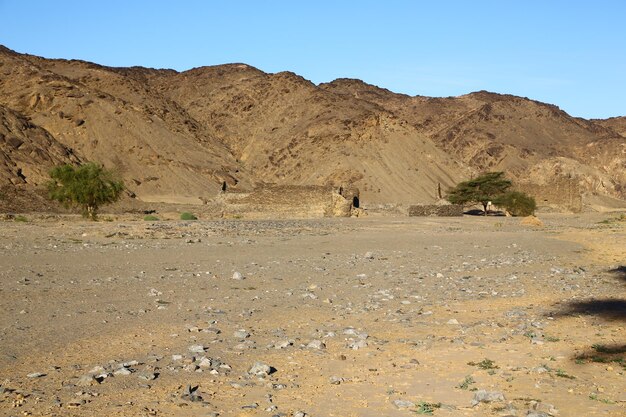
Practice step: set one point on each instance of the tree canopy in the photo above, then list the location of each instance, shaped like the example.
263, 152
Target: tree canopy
516, 203
480, 190
87, 186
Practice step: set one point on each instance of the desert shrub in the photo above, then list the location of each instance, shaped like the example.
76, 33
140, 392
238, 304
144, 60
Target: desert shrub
187, 216
516, 203
151, 218
20, 218
87, 186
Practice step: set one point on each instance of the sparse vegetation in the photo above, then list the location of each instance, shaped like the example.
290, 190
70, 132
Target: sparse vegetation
466, 382
621, 218
87, 186
151, 218
427, 409
600, 348
20, 218
516, 203
602, 400
605, 354
484, 364
187, 216
562, 374
483, 189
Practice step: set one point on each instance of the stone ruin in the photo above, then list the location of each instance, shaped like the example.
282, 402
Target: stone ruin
440, 209
289, 201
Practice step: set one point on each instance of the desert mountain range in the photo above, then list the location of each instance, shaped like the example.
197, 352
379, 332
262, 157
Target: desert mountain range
177, 136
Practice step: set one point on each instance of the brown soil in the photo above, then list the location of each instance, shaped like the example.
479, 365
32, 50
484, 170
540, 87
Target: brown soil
544, 303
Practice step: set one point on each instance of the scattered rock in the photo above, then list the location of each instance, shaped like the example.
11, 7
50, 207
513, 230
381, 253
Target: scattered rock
87, 380
261, 369
537, 414
148, 375
336, 380
122, 371
191, 394
283, 344
357, 344
483, 396
205, 363
316, 344
197, 349
241, 334
403, 404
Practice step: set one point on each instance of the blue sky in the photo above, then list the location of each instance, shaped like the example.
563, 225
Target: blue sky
568, 53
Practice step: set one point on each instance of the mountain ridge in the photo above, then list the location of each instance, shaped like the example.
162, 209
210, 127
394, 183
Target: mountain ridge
177, 136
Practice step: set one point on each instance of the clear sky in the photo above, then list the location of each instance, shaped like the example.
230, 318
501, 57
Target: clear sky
569, 53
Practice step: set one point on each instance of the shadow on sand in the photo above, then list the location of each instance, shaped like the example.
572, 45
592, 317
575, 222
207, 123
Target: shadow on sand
478, 212
613, 309
600, 353
608, 308
619, 272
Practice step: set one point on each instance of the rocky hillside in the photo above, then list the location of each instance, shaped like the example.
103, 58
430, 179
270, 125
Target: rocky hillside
176, 137
27, 151
530, 140
618, 124
106, 115
286, 130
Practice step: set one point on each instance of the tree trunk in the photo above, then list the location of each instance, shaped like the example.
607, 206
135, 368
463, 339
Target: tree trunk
485, 209
91, 212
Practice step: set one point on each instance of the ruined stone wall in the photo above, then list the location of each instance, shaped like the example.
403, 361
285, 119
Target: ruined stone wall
560, 193
448, 210
286, 202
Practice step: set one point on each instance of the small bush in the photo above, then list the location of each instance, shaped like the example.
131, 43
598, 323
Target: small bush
517, 203
20, 218
151, 218
187, 216
484, 364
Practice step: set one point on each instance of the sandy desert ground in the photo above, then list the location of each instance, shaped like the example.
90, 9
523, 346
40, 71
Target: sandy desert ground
377, 316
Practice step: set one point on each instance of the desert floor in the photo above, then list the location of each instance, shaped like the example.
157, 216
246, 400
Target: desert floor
376, 316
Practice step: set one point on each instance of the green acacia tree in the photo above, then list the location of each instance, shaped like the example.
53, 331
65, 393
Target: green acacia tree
87, 186
482, 189
517, 203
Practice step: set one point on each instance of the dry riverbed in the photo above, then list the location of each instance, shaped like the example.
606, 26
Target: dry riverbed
377, 316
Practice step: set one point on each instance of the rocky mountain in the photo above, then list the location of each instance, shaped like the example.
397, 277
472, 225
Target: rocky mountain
530, 140
27, 151
106, 115
286, 130
178, 136
618, 124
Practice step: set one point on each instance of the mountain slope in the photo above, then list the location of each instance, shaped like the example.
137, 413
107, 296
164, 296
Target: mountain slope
27, 151
108, 116
178, 136
513, 134
286, 130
